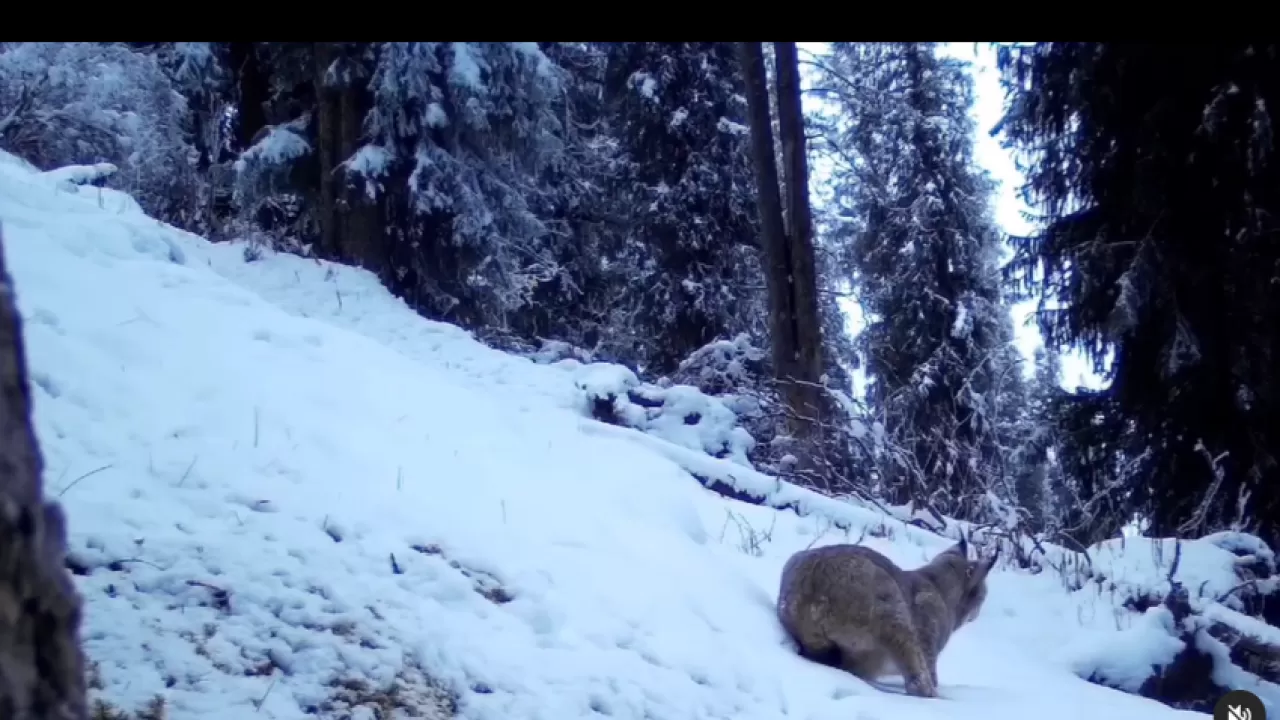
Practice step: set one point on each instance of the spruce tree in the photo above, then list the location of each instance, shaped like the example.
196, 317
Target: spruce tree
924, 252
686, 262
1153, 167
426, 163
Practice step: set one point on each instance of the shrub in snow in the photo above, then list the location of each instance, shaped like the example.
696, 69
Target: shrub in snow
737, 373
1207, 611
84, 103
682, 414
720, 401
679, 414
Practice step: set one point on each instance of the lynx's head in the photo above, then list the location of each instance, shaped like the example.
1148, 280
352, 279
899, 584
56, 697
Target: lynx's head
962, 580
973, 583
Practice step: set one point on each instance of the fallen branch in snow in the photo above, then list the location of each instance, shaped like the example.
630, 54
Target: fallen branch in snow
221, 597
89, 474
1194, 679
1249, 652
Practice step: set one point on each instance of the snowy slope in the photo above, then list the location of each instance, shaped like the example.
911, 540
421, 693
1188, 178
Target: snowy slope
288, 494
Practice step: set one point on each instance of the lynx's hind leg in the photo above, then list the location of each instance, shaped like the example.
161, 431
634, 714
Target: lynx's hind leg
898, 639
916, 673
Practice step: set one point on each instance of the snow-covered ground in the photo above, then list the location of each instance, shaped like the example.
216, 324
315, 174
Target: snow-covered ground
289, 495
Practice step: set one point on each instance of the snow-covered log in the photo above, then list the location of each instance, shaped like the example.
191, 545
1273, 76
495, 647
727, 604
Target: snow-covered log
1208, 609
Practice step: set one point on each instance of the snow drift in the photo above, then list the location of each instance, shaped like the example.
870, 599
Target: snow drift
291, 497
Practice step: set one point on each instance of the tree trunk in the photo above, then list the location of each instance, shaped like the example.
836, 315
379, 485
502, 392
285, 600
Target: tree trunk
777, 262
327, 122
799, 228
41, 664
253, 91
360, 228
350, 227
789, 264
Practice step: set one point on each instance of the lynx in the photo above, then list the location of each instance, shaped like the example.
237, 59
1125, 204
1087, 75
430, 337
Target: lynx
851, 607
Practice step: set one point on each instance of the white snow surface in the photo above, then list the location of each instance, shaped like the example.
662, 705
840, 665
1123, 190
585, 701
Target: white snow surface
243, 447
1142, 564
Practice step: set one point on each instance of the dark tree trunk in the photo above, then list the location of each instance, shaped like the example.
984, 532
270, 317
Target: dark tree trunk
789, 263
41, 664
327, 126
360, 231
252, 92
777, 261
350, 224
795, 177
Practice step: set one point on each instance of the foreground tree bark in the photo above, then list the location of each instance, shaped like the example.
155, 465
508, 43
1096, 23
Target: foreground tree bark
790, 271
41, 663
